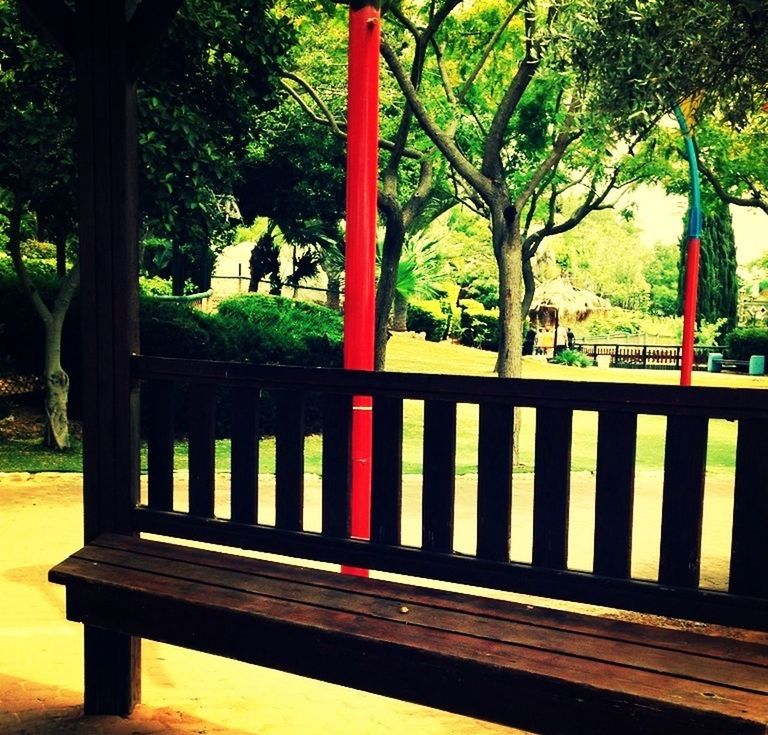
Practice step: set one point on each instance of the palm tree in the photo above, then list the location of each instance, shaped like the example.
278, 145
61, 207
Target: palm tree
421, 270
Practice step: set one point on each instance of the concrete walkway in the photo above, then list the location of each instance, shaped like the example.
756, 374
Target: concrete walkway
189, 692
183, 691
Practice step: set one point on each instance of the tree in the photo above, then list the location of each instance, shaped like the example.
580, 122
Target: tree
198, 116
294, 176
37, 180
733, 159
605, 257
718, 292
507, 122
641, 57
196, 113
410, 195
421, 271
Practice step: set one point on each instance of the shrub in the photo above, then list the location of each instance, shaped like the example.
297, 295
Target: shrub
741, 344
155, 286
572, 357
483, 288
479, 326
428, 317
271, 329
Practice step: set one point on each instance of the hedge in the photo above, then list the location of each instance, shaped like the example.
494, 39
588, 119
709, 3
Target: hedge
741, 344
428, 317
479, 326
249, 328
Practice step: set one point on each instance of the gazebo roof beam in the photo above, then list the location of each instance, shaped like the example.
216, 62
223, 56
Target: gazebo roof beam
147, 28
56, 21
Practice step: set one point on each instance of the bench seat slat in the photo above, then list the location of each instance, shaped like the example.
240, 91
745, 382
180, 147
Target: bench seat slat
383, 604
505, 610
139, 590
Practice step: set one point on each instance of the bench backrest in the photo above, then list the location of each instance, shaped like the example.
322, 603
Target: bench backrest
254, 400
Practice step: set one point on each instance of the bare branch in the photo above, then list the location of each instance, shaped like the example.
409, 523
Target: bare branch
527, 68
439, 137
484, 56
756, 202
14, 248
549, 163
327, 117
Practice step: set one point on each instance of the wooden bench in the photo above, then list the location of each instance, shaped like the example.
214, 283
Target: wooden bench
740, 366
516, 663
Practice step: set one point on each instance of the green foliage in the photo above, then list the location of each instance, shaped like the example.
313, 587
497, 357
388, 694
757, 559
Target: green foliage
741, 344
661, 273
428, 317
197, 106
270, 329
604, 257
625, 322
154, 286
573, 358
479, 326
640, 56
483, 289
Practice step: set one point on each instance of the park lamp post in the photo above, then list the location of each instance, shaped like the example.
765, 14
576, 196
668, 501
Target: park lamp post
360, 256
693, 251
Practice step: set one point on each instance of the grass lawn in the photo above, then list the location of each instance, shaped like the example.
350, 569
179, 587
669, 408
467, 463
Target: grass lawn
406, 354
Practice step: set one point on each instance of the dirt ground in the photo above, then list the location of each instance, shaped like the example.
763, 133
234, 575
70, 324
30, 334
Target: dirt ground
189, 692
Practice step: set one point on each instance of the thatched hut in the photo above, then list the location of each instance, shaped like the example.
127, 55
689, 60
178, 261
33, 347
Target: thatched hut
559, 300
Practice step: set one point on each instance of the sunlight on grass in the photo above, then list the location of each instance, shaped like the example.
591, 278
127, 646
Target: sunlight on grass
407, 354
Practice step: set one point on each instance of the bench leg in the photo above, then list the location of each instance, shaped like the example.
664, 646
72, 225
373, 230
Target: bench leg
112, 672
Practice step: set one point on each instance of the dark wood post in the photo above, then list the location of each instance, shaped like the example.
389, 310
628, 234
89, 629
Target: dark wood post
108, 255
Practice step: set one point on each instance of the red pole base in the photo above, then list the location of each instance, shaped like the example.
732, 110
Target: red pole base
361, 444
689, 309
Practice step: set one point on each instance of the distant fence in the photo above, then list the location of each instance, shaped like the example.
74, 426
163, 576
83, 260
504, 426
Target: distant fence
660, 357
230, 285
17, 385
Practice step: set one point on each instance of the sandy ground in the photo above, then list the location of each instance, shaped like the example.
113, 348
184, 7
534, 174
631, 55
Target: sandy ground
190, 692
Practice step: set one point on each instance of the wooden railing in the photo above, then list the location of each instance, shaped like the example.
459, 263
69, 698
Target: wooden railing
677, 590
646, 356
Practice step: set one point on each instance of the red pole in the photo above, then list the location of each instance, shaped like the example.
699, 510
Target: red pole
689, 308
359, 282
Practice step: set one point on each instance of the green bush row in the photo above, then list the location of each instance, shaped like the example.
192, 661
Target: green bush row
741, 344
479, 326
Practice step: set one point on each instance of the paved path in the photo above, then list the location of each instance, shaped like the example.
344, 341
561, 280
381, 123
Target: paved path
189, 692
184, 691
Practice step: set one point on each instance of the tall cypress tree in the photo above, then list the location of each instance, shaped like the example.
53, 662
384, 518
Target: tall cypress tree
718, 286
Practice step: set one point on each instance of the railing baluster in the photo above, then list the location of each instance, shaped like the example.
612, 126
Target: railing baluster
494, 481
289, 460
245, 455
552, 487
749, 549
439, 462
158, 400
337, 410
387, 483
685, 465
615, 485
202, 449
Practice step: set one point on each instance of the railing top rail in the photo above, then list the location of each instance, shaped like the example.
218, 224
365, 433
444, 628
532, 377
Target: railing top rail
639, 398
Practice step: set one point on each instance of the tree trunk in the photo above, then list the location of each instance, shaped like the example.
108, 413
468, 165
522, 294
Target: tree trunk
56, 380
385, 289
56, 400
400, 314
508, 250
529, 286
332, 295
509, 260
